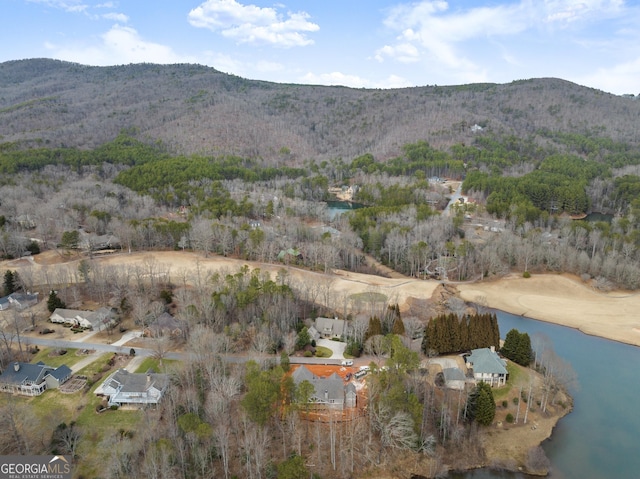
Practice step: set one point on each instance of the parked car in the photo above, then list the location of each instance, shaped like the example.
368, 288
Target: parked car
347, 362
364, 368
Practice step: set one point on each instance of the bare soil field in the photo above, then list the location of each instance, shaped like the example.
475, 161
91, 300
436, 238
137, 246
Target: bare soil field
563, 299
557, 298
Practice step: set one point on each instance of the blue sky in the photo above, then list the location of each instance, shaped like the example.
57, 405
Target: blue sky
357, 43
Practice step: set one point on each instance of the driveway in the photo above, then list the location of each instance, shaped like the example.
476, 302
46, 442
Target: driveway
336, 346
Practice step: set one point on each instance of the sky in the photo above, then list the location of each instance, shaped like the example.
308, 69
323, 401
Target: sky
355, 43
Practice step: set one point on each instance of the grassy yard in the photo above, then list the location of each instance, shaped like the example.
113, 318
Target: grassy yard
168, 365
518, 376
48, 357
322, 352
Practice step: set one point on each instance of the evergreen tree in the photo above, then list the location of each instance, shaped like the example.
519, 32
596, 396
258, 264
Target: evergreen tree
303, 338
398, 326
54, 302
10, 282
485, 405
375, 327
517, 347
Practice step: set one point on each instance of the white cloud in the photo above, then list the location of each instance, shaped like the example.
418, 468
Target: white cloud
429, 31
403, 52
119, 45
118, 17
619, 79
253, 24
73, 6
353, 81
568, 11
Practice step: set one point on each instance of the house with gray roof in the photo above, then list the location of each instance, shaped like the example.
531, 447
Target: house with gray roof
454, 378
328, 392
18, 301
487, 366
123, 387
166, 325
32, 379
328, 328
95, 320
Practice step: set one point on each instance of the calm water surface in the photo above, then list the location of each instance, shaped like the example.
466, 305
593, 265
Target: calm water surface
600, 438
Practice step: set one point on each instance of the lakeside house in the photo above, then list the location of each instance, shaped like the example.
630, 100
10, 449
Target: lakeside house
328, 392
32, 379
487, 366
123, 387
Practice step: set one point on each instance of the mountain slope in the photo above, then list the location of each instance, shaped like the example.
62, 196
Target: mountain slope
196, 109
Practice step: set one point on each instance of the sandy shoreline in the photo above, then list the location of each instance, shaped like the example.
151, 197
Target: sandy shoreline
563, 300
556, 298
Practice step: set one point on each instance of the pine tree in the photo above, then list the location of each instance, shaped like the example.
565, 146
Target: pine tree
375, 327
398, 326
10, 280
54, 302
485, 410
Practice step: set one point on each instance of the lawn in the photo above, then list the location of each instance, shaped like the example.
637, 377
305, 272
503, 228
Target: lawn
322, 352
518, 376
54, 360
168, 365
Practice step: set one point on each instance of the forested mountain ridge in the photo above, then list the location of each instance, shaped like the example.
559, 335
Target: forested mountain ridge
197, 109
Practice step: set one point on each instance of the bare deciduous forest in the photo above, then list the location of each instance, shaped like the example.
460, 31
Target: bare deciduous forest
457, 183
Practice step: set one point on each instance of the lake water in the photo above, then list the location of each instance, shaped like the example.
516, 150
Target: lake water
336, 208
600, 438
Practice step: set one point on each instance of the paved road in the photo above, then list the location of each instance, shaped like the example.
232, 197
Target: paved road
121, 348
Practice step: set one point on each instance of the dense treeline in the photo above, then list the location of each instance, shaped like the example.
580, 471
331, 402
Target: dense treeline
450, 333
123, 150
517, 347
193, 180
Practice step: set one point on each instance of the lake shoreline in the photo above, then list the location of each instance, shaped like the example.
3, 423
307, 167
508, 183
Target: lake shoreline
564, 300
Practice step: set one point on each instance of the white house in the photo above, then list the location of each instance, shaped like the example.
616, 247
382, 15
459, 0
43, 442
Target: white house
123, 387
95, 320
487, 366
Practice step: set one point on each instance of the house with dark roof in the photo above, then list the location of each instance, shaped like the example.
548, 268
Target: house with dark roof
95, 320
123, 387
487, 366
32, 379
18, 301
166, 325
330, 392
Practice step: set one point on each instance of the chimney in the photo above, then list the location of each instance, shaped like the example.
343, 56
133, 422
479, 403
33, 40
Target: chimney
16, 367
326, 394
493, 348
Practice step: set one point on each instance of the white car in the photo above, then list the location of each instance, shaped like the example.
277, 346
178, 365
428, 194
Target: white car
347, 362
364, 368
